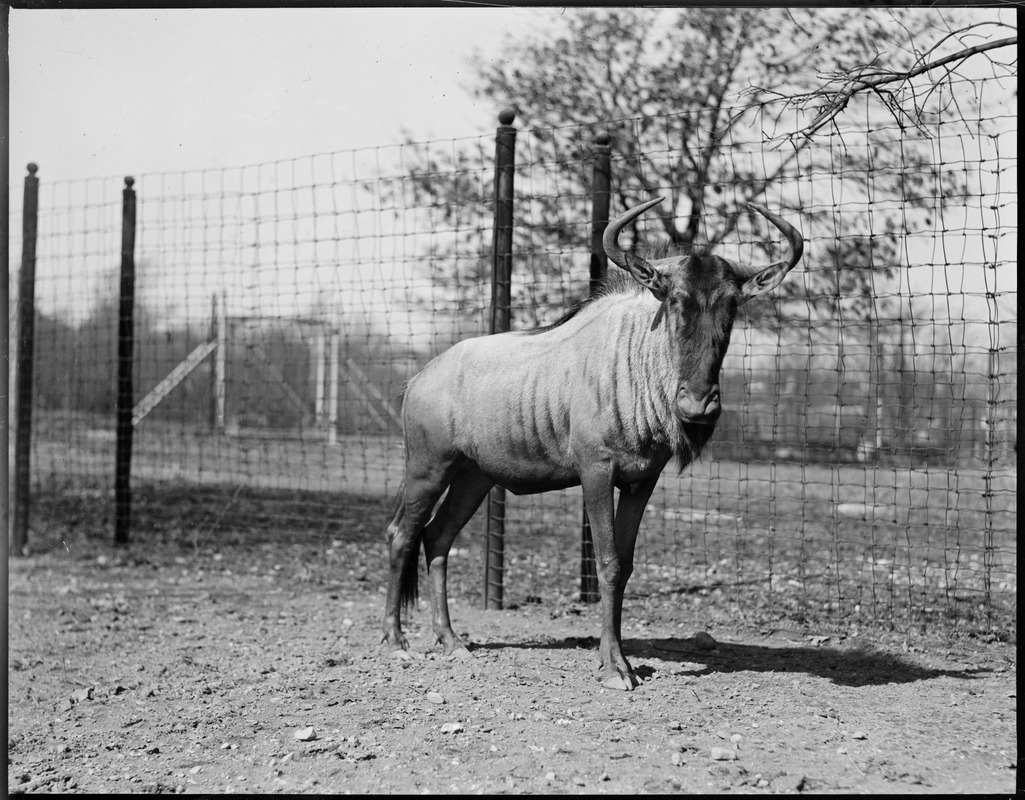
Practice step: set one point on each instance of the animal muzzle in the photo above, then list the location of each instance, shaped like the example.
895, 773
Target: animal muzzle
700, 407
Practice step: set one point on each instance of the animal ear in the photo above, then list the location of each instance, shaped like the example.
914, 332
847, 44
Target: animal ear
762, 282
647, 276
643, 272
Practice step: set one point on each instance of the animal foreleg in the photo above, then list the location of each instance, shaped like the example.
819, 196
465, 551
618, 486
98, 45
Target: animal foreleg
628, 520
598, 499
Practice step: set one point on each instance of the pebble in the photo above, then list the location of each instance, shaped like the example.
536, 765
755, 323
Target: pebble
305, 734
859, 735
723, 754
436, 698
704, 641
788, 783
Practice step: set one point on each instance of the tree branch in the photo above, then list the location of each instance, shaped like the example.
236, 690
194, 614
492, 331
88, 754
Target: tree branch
867, 80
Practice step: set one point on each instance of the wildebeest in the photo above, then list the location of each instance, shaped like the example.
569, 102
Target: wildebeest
604, 398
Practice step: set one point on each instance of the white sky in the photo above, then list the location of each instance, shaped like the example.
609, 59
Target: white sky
116, 92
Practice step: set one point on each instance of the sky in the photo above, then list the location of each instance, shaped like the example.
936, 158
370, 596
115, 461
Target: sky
98, 93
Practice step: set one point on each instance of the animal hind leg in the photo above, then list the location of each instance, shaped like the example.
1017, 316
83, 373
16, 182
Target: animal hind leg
416, 500
466, 492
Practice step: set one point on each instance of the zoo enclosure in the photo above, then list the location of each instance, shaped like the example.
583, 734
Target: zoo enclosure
864, 467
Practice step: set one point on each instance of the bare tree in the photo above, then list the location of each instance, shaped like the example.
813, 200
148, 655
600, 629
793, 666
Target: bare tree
698, 104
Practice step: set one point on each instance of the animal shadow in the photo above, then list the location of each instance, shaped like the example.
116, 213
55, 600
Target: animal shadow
858, 665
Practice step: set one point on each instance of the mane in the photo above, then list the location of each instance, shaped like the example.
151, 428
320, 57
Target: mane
616, 281
619, 281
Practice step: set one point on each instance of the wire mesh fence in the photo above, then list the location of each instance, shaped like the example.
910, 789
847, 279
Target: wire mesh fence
863, 471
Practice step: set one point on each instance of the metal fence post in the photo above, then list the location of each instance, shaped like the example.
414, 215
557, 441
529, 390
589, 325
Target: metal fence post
601, 188
501, 298
125, 346
25, 365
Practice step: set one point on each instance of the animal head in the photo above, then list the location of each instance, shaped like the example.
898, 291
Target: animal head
699, 295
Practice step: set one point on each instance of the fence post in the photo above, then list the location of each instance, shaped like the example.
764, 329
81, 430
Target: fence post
219, 334
125, 346
332, 386
25, 364
601, 188
501, 298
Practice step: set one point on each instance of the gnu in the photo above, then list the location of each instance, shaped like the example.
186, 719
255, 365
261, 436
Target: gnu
604, 398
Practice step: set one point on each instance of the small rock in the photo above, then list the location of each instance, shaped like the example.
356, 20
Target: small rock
578, 781
704, 641
677, 759
451, 727
723, 754
788, 783
735, 738
549, 776
436, 698
194, 771
859, 735
305, 734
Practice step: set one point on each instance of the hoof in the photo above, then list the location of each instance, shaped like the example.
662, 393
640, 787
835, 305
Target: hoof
620, 683
618, 680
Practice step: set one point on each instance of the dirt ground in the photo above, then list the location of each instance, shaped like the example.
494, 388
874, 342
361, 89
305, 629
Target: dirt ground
255, 667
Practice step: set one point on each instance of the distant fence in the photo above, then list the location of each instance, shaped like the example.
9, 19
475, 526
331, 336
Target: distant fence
864, 468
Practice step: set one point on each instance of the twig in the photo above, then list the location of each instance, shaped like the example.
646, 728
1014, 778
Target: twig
869, 79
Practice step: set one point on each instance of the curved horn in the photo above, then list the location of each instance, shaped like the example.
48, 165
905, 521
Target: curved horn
795, 247
610, 241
